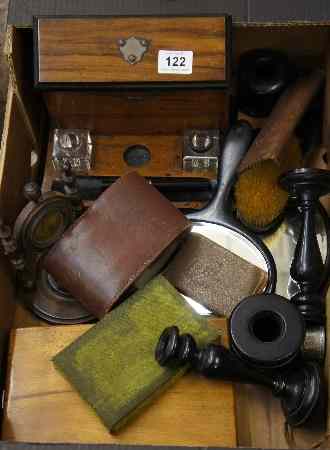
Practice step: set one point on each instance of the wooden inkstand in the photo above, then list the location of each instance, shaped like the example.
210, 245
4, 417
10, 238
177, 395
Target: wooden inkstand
152, 91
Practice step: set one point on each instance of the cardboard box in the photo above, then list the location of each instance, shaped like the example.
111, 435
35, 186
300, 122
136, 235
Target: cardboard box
300, 28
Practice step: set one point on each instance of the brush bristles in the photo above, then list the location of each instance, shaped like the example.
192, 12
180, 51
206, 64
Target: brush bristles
259, 198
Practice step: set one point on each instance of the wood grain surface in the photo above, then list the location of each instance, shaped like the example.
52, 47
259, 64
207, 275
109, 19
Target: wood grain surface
82, 50
139, 112
42, 406
165, 152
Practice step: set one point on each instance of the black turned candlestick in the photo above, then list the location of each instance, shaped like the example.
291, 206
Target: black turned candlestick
300, 390
266, 331
263, 74
306, 186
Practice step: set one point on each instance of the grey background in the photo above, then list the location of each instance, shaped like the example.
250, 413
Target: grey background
22, 11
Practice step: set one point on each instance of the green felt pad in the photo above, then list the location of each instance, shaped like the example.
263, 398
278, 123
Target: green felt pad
113, 366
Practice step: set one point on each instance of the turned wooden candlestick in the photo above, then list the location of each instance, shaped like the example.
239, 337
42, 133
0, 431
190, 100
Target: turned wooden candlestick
300, 390
306, 186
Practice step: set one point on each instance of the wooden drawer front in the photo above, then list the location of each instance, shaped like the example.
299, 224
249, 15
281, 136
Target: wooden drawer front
166, 112
84, 50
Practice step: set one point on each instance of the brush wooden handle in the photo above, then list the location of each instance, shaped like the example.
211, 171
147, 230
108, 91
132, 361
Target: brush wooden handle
270, 143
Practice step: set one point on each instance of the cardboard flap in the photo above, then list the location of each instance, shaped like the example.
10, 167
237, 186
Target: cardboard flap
15, 157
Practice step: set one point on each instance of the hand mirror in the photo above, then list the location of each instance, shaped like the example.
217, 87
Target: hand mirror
217, 222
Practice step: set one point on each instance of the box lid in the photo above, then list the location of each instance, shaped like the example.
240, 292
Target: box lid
131, 50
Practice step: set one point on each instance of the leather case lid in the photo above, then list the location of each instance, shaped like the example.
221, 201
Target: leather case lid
86, 51
122, 240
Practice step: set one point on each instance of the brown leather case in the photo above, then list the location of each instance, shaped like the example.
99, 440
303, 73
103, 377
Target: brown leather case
130, 227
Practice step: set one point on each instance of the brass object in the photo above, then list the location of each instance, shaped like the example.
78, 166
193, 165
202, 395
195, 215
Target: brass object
133, 49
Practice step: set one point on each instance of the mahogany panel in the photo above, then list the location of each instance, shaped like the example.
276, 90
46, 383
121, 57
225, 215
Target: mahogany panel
139, 112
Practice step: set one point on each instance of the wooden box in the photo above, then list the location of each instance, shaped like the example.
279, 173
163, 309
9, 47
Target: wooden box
90, 82
32, 113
